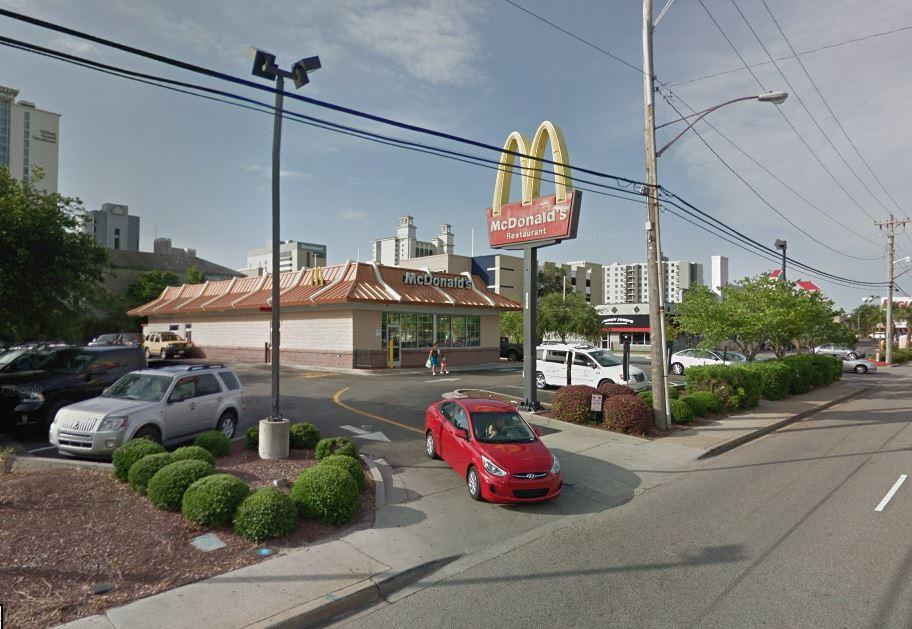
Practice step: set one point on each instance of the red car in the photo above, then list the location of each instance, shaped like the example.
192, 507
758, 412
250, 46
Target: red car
486, 441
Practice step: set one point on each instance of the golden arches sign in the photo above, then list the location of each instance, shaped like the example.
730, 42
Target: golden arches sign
535, 219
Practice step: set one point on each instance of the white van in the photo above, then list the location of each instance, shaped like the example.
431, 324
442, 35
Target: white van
586, 365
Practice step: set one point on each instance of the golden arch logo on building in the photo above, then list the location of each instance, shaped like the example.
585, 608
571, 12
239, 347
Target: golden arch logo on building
316, 276
535, 220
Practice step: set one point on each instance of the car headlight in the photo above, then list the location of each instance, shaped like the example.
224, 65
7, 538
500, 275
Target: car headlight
555, 466
34, 396
491, 468
114, 423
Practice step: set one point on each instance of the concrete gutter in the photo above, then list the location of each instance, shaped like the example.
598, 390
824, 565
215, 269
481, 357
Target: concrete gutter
35, 463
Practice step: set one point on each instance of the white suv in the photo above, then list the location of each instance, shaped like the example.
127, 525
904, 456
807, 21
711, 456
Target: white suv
584, 364
166, 405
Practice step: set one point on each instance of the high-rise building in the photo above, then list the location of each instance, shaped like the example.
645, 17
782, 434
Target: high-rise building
405, 244
28, 139
113, 227
293, 256
629, 284
719, 274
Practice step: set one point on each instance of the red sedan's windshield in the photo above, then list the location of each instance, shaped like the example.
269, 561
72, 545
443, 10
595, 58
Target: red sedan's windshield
501, 427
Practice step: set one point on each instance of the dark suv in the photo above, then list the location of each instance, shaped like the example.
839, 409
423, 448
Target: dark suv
67, 375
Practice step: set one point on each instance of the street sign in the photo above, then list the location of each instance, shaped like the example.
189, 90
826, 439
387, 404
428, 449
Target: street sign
596, 405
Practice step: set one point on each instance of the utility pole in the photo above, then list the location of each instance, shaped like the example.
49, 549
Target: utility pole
891, 227
654, 271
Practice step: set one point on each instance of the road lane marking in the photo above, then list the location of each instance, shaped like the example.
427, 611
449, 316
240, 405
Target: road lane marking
41, 449
337, 398
889, 496
357, 431
444, 380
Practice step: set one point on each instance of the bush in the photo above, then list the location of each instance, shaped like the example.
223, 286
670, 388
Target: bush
213, 500
609, 389
673, 392
681, 413
326, 493
336, 445
738, 387
304, 436
166, 488
697, 406
194, 453
829, 368
710, 400
628, 414
265, 514
646, 396
774, 379
214, 441
802, 377
573, 403
130, 452
252, 438
350, 465
144, 469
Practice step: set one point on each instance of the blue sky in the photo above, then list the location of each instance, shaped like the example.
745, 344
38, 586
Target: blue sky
199, 171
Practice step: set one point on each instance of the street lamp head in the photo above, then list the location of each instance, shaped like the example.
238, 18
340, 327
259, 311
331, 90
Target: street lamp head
300, 69
264, 65
781, 244
777, 98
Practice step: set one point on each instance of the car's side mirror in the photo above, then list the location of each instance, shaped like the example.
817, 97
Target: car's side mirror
537, 431
593, 365
463, 433
174, 398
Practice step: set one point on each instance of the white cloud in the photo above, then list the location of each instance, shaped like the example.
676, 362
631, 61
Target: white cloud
352, 215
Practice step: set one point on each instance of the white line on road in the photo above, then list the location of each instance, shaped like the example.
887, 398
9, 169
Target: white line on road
444, 380
42, 449
889, 496
357, 431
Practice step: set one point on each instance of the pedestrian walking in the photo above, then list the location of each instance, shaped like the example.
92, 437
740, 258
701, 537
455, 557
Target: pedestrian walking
443, 363
433, 360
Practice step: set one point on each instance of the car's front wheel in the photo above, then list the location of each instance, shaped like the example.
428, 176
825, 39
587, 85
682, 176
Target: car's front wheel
513, 355
474, 483
430, 447
148, 354
148, 432
162, 354
540, 381
852, 356
227, 424
677, 369
861, 369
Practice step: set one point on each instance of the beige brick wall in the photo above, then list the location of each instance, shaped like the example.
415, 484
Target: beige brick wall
321, 330
366, 323
490, 330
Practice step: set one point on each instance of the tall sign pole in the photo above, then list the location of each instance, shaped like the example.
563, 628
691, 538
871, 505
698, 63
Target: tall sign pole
654, 271
530, 325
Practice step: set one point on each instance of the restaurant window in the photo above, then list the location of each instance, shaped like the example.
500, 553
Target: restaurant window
417, 330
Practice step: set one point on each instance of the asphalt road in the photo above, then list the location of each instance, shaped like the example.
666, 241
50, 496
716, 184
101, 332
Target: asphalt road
782, 532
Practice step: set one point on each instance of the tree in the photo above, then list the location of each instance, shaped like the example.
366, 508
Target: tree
511, 325
48, 266
148, 285
195, 276
551, 279
570, 317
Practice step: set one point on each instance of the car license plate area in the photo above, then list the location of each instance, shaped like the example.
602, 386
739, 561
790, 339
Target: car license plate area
530, 493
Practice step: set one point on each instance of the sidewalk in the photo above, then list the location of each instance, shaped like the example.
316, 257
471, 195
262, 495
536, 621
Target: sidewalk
426, 522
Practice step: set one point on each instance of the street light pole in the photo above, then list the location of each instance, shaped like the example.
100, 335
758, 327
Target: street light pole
264, 66
782, 244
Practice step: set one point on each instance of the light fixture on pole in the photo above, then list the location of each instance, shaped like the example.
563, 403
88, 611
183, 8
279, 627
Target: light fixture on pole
782, 245
264, 66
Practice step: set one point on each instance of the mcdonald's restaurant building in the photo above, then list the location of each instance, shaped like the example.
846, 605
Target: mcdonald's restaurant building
354, 315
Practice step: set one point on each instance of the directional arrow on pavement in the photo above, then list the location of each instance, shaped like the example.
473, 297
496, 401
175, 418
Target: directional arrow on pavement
363, 434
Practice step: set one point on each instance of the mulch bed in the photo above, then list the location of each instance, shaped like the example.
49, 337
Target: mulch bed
65, 530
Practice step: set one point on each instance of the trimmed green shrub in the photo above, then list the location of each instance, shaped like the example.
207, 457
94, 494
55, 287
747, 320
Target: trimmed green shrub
829, 368
265, 514
681, 413
802, 373
628, 414
697, 406
351, 465
218, 444
335, 445
144, 469
646, 396
737, 386
194, 453
610, 389
774, 379
710, 400
213, 500
573, 403
130, 452
326, 493
304, 436
673, 392
166, 488
252, 437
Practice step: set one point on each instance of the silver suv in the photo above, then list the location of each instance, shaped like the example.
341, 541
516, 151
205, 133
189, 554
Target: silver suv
166, 405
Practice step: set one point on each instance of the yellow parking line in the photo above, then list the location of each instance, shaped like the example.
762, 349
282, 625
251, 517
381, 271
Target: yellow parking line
317, 374
337, 398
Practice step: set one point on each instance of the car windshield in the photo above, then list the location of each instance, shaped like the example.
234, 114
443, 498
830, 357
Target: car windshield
170, 336
71, 361
605, 358
107, 338
501, 427
136, 386
9, 357
734, 357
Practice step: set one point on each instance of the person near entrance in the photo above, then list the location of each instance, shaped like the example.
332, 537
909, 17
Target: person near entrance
443, 362
433, 360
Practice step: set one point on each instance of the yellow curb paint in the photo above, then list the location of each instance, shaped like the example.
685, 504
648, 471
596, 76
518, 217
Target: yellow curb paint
337, 398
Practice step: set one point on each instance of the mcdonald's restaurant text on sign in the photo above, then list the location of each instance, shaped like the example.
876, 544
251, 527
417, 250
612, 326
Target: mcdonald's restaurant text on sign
544, 219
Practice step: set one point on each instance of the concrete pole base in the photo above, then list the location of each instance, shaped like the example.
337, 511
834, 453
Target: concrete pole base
274, 439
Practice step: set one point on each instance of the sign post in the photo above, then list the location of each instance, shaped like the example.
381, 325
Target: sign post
536, 221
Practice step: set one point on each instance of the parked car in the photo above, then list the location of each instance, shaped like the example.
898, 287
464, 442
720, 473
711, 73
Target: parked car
131, 339
488, 444
510, 351
587, 365
166, 345
858, 365
839, 351
67, 375
167, 405
693, 357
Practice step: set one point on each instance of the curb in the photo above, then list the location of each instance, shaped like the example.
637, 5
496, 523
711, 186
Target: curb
379, 484
352, 598
738, 441
45, 463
